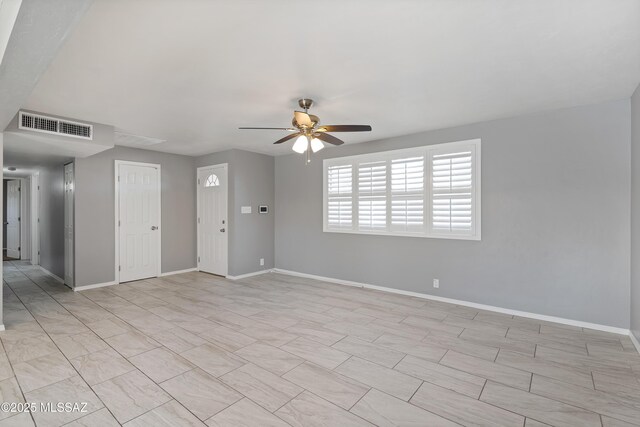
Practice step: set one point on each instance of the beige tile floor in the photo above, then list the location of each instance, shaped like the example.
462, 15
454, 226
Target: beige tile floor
274, 350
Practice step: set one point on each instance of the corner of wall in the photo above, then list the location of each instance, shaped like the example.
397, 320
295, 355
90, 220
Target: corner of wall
634, 285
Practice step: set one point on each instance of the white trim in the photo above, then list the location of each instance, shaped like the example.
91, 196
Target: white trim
634, 340
225, 166
51, 274
426, 152
171, 273
25, 213
1, 327
578, 323
11, 252
244, 276
97, 285
117, 164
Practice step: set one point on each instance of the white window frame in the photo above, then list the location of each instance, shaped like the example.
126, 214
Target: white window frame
425, 151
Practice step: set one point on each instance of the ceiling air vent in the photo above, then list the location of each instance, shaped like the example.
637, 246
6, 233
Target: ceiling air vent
130, 140
51, 125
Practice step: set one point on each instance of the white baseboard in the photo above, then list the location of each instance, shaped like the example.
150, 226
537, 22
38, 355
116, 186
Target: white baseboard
170, 273
51, 274
94, 286
578, 323
102, 285
244, 276
634, 340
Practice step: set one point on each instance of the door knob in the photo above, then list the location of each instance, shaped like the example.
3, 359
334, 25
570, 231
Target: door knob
153, 227
222, 230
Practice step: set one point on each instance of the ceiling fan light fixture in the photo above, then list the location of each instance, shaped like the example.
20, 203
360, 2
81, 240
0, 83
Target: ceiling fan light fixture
301, 144
316, 145
309, 136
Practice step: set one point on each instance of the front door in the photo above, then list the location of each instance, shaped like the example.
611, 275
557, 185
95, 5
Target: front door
13, 219
212, 219
139, 221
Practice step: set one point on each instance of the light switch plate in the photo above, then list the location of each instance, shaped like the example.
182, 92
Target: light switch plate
245, 209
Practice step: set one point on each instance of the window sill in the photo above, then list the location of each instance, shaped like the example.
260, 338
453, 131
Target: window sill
401, 234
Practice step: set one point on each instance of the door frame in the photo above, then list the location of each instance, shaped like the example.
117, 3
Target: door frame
226, 168
116, 217
20, 215
25, 218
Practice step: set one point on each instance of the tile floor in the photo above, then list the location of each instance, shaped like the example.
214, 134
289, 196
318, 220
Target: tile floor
194, 349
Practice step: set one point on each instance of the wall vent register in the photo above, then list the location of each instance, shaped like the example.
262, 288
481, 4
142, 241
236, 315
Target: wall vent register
51, 125
430, 191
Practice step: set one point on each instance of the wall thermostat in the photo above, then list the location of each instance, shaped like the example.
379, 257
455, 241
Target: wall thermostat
263, 209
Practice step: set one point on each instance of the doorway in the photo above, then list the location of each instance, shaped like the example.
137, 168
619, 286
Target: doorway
138, 230
212, 219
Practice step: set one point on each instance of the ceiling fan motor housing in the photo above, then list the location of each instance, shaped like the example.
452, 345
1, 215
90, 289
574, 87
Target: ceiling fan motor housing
305, 103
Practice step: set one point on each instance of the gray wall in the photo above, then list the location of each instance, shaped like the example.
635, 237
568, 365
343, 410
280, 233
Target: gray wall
95, 217
555, 219
52, 219
635, 213
251, 183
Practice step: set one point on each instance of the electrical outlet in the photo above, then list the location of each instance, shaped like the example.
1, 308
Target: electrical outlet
436, 283
261, 261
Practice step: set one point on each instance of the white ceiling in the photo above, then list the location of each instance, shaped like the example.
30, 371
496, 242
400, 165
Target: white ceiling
192, 71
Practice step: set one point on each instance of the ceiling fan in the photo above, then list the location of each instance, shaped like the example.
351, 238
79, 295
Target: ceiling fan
310, 133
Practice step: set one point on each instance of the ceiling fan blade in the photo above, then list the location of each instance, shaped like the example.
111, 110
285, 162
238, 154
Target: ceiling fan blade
302, 119
288, 137
344, 128
328, 138
289, 129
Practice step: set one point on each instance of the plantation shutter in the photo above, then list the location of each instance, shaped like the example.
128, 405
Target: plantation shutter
340, 196
452, 190
407, 194
428, 191
372, 195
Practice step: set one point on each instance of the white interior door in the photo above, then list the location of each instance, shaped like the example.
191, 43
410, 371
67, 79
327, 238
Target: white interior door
212, 219
68, 225
13, 219
139, 221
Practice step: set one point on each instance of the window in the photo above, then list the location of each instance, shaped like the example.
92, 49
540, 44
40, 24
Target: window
212, 181
338, 200
431, 191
